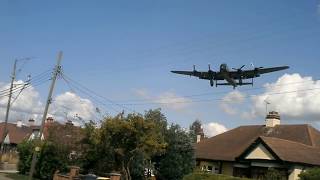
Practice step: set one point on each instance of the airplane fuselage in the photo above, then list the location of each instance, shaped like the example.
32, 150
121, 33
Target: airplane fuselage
224, 70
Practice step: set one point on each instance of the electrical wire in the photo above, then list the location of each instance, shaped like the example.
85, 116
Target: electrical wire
94, 93
73, 87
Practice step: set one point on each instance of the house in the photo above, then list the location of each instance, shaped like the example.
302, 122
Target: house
18, 132
249, 151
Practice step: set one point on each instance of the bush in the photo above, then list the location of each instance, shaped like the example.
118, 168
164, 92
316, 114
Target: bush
274, 174
207, 176
310, 174
50, 159
25, 151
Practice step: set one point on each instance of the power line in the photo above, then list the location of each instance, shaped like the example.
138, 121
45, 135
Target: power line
96, 94
72, 87
36, 81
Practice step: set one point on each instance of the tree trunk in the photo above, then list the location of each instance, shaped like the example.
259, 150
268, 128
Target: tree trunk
128, 172
125, 171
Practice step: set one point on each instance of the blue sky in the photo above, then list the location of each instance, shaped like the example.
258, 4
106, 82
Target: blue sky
124, 50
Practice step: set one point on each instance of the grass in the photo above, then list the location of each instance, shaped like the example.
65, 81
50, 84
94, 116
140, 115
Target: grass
17, 176
207, 176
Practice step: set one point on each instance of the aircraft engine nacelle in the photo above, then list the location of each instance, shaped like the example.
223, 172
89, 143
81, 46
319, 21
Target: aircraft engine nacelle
256, 72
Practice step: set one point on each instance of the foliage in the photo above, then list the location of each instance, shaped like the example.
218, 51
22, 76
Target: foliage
127, 138
310, 174
25, 151
50, 159
90, 160
135, 145
195, 129
178, 159
273, 174
207, 176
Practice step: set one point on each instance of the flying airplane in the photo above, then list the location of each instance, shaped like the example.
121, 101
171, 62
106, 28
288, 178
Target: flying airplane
233, 77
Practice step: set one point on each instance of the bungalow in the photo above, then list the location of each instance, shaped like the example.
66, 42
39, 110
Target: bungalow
18, 132
249, 151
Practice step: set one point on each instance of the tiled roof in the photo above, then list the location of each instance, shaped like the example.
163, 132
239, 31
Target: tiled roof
293, 152
16, 134
231, 144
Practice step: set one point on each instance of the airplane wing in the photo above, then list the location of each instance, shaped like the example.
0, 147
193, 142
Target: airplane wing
229, 84
189, 73
246, 74
201, 74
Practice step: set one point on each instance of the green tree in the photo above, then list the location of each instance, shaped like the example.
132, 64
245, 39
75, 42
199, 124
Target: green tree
91, 160
310, 174
196, 129
178, 159
130, 137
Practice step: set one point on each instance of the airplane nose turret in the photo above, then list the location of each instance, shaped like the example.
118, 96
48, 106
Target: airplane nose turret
223, 66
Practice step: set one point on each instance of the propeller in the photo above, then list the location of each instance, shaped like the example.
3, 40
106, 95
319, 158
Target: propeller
239, 69
209, 67
239, 72
252, 65
256, 70
211, 74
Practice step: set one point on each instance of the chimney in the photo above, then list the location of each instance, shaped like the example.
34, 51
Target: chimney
69, 123
272, 119
31, 122
50, 120
200, 136
19, 123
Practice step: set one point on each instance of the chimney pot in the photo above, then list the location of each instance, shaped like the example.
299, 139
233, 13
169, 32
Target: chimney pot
272, 119
31, 122
50, 120
69, 122
19, 123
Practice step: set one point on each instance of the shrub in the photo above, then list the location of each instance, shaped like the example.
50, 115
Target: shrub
207, 176
310, 174
50, 159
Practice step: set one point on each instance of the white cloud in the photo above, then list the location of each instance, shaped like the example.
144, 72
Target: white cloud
213, 129
28, 105
293, 96
167, 99
231, 99
71, 105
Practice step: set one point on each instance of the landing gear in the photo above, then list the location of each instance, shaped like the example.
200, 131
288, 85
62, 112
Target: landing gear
211, 82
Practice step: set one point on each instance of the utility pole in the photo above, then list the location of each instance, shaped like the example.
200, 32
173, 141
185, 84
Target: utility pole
4, 133
44, 117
